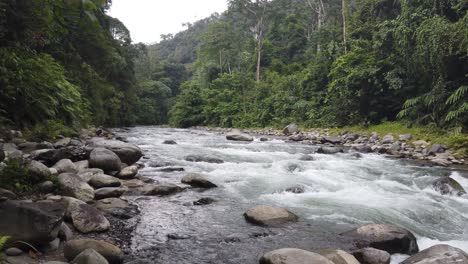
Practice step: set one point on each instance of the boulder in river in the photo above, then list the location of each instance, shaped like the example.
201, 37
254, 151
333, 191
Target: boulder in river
448, 186
88, 219
161, 190
108, 192
197, 181
90, 256
295, 189
128, 153
269, 215
237, 135
72, 185
128, 172
35, 223
436, 148
332, 140
443, 254
293, 256
112, 253
103, 180
386, 237
201, 158
104, 159
372, 256
338, 256
329, 150
291, 129
169, 142
306, 158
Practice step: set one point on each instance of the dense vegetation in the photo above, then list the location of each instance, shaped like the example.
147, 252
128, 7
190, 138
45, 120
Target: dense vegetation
261, 63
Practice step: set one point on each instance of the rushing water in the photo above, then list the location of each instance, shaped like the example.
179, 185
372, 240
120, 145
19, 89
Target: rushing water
342, 192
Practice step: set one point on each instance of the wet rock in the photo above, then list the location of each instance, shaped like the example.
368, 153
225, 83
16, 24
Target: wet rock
291, 129
65, 165
169, 142
329, 150
388, 139
448, 186
200, 158
102, 181
390, 238
436, 148
332, 140
296, 189
292, 256
35, 223
405, 137
161, 190
441, 162
204, 201
362, 148
82, 165
263, 139
171, 169
306, 158
72, 185
13, 251
297, 137
160, 163
197, 181
269, 215
112, 253
104, 159
128, 153
372, 256
89, 256
338, 256
128, 172
237, 135
46, 187
87, 219
108, 192
7, 194
175, 236
37, 170
117, 207
443, 254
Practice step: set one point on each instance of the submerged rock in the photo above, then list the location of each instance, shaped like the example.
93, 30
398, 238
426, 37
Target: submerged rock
200, 158
329, 150
293, 256
269, 215
448, 186
204, 201
296, 189
169, 142
443, 254
390, 238
306, 158
112, 253
161, 190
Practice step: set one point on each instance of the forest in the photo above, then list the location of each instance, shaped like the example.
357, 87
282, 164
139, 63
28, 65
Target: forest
320, 63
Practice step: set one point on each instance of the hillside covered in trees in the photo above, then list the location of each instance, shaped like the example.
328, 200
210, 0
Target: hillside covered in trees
261, 63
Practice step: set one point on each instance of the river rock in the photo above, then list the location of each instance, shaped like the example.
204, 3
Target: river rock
169, 142
21, 259
128, 153
128, 172
37, 170
161, 190
52, 156
291, 129
82, 165
89, 256
7, 194
362, 148
293, 256
306, 158
197, 181
34, 223
295, 189
386, 237
65, 165
87, 219
201, 158
46, 187
71, 204
72, 185
87, 174
62, 142
237, 135
443, 254
372, 256
104, 159
269, 215
329, 150
436, 148
13, 251
388, 139
332, 140
65, 232
112, 253
204, 201
108, 192
29, 147
103, 180
338, 256
405, 137
117, 207
449, 186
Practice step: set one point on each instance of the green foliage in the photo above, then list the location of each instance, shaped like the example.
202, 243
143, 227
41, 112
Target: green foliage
14, 176
49, 130
3, 240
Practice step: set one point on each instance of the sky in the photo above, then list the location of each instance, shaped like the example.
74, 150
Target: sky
148, 19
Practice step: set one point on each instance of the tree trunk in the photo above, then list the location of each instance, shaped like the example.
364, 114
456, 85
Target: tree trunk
343, 13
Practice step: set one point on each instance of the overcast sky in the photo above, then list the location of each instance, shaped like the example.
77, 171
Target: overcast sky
148, 19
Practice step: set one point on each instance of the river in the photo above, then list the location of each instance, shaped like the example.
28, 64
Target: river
342, 191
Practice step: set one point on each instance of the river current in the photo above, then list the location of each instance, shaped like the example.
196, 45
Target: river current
342, 191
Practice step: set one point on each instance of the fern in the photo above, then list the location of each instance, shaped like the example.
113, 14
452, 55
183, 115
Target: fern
457, 95
3, 240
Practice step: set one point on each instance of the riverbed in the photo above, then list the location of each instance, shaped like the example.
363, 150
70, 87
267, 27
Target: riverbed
342, 191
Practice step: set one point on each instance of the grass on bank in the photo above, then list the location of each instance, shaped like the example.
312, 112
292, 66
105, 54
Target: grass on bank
457, 142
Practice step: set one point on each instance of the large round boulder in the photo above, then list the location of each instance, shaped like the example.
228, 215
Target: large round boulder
88, 219
65, 165
386, 237
72, 185
237, 135
112, 253
372, 256
201, 158
448, 186
269, 215
443, 254
128, 153
293, 256
37, 170
128, 172
104, 159
108, 192
34, 223
197, 181
103, 180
